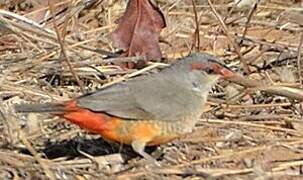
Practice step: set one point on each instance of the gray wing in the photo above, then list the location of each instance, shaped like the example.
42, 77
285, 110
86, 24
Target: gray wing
168, 99
116, 100
147, 97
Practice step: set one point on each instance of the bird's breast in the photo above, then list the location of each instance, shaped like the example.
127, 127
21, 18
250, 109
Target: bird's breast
154, 132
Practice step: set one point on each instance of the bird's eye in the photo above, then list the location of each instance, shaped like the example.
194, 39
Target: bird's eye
209, 70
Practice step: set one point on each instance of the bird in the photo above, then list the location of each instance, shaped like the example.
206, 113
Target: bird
146, 110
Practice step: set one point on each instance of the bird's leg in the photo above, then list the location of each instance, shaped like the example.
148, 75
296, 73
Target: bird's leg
139, 146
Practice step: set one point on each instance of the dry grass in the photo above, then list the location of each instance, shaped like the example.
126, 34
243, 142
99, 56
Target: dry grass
246, 132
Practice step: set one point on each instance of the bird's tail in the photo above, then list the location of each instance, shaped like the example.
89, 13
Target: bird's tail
40, 108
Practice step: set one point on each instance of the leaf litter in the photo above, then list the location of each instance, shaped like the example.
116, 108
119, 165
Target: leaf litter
252, 127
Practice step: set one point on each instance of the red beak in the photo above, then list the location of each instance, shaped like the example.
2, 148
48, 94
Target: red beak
223, 71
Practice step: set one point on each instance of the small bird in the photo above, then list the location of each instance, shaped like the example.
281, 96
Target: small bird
146, 110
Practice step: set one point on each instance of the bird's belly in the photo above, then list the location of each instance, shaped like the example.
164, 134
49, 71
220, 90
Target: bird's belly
151, 132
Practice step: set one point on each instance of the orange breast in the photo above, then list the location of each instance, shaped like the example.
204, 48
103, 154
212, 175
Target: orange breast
126, 131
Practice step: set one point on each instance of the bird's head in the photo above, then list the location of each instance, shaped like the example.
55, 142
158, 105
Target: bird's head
207, 68
210, 66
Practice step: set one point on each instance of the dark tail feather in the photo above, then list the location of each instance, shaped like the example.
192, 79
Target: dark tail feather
46, 107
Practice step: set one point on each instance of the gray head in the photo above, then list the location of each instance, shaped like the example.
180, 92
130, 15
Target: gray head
198, 71
205, 64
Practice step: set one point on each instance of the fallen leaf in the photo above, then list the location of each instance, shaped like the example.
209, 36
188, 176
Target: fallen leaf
138, 30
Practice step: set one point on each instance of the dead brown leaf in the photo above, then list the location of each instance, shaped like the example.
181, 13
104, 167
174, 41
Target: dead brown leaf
138, 30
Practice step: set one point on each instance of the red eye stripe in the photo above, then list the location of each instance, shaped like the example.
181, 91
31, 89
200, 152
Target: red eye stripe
217, 69
209, 68
197, 66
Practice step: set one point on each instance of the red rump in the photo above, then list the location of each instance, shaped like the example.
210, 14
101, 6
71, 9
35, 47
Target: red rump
84, 118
